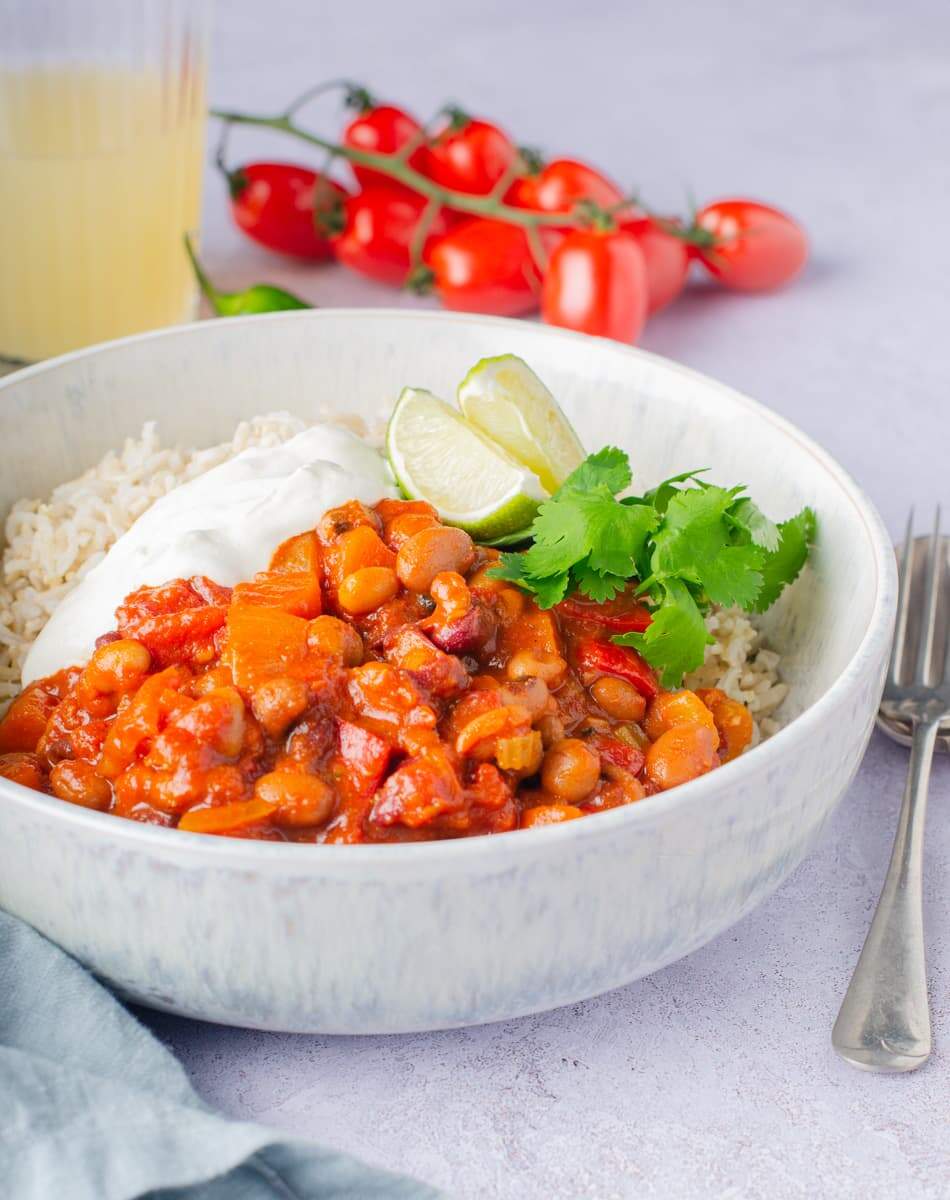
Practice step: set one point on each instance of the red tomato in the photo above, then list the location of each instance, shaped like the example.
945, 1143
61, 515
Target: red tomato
665, 257
376, 239
560, 185
751, 247
486, 266
607, 658
596, 282
470, 155
383, 129
276, 205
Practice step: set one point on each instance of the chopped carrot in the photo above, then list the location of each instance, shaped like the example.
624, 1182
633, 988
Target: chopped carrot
25, 722
549, 814
354, 549
263, 642
300, 553
226, 817
295, 592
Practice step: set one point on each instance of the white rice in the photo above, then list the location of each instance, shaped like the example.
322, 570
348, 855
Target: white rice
52, 543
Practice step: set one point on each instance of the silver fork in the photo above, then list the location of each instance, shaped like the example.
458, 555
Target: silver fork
884, 1022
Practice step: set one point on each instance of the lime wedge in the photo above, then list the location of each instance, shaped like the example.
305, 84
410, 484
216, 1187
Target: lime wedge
509, 403
437, 456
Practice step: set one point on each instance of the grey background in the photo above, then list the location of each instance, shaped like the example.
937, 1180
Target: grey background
715, 1077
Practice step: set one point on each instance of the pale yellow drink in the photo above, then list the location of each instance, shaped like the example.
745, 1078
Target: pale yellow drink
100, 178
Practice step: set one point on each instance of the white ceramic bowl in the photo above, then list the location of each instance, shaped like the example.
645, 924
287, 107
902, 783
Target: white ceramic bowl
370, 939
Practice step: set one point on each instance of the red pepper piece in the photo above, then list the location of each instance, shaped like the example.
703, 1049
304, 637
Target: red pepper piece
621, 754
605, 658
619, 616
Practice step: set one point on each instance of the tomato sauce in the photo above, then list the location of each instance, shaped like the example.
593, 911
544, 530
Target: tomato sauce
375, 684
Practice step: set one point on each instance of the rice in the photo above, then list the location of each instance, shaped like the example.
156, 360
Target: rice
740, 665
51, 544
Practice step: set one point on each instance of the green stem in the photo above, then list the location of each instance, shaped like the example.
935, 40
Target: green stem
408, 149
421, 232
391, 166
538, 252
353, 91
210, 292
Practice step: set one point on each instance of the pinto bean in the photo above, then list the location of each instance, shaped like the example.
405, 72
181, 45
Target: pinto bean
551, 729
618, 698
217, 720
548, 814
335, 639
669, 709
531, 693
300, 800
404, 527
570, 771
681, 754
117, 666
367, 589
347, 516
427, 553
77, 782
279, 701
537, 664
733, 720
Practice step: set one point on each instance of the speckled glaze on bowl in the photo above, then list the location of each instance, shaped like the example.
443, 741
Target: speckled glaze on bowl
371, 939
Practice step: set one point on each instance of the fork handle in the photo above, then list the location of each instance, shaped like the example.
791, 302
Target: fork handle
884, 1022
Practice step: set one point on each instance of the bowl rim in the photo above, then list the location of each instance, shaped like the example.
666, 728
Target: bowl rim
331, 859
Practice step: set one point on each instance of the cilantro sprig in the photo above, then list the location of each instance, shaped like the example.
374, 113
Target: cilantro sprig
689, 543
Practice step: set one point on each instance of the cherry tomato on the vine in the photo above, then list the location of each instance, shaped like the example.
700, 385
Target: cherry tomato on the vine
749, 246
596, 282
469, 155
279, 205
665, 257
562, 184
383, 129
486, 266
377, 237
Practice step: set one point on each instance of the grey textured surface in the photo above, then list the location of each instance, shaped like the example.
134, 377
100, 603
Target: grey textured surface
715, 1077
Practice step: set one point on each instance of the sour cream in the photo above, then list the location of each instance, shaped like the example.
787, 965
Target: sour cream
225, 524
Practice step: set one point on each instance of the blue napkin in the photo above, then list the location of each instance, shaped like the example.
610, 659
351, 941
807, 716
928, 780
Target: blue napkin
92, 1107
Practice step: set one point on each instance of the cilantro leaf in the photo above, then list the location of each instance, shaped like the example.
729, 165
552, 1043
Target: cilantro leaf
560, 538
548, 589
689, 547
663, 493
747, 515
618, 536
595, 584
695, 544
784, 565
609, 468
511, 566
695, 507
675, 642
578, 525
733, 576
551, 590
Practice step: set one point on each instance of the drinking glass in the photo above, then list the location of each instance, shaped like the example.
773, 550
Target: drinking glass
102, 114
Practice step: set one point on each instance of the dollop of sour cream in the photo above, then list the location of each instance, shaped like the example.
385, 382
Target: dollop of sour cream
225, 524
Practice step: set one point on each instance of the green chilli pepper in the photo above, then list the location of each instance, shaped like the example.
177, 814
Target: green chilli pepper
260, 298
